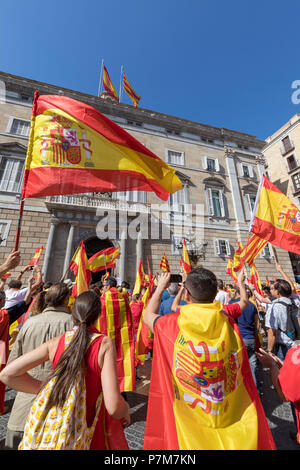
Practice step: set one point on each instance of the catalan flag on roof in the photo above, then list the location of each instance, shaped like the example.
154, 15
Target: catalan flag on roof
275, 219
73, 148
130, 91
108, 86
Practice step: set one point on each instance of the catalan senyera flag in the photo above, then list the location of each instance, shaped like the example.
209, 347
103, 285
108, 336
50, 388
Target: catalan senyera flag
139, 280
144, 337
36, 256
252, 249
164, 264
201, 385
116, 322
73, 148
107, 84
229, 269
186, 264
130, 91
275, 219
104, 259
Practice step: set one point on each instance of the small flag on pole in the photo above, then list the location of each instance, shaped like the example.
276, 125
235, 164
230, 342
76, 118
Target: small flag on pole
36, 256
130, 91
108, 86
186, 264
164, 264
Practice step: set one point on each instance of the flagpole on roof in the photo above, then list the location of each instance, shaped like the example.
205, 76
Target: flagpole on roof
101, 75
121, 79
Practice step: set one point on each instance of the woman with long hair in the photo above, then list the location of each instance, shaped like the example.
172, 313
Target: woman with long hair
97, 360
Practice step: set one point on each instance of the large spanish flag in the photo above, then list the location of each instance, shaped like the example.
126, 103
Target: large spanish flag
73, 148
201, 385
275, 219
116, 322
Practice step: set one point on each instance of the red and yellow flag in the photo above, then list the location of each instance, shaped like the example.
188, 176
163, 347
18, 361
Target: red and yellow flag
255, 279
130, 91
201, 385
186, 264
79, 266
116, 322
144, 338
73, 148
108, 86
5, 276
254, 246
230, 271
237, 256
139, 280
36, 256
104, 259
275, 219
164, 264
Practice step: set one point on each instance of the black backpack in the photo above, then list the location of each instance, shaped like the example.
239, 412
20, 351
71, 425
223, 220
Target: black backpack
292, 324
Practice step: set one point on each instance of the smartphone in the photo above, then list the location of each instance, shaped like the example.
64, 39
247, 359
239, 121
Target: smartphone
31, 268
175, 278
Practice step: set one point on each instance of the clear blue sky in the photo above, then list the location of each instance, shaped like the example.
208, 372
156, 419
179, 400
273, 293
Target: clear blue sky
227, 64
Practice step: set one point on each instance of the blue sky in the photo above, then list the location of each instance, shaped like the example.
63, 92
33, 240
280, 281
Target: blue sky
227, 64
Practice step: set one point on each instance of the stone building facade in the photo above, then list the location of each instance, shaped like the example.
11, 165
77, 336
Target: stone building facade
219, 168
282, 155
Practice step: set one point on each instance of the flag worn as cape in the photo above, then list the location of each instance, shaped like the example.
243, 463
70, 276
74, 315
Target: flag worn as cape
116, 322
202, 394
275, 219
186, 264
164, 264
104, 259
36, 256
73, 148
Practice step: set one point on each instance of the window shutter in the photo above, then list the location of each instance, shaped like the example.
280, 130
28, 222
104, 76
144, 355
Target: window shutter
227, 248
210, 207
217, 164
221, 199
217, 246
204, 161
251, 171
248, 206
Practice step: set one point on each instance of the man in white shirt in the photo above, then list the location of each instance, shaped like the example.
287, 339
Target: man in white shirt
14, 294
221, 294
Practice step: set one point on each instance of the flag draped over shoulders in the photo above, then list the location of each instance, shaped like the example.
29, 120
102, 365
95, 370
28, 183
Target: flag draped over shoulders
116, 322
73, 148
201, 385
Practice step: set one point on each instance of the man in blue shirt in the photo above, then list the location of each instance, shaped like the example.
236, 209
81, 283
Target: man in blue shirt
248, 324
166, 305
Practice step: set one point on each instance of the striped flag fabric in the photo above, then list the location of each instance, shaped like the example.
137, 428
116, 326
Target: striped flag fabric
116, 322
255, 279
36, 256
275, 218
230, 271
130, 91
95, 154
104, 259
186, 264
254, 246
108, 85
164, 264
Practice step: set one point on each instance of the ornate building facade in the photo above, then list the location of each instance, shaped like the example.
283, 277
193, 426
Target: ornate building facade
219, 169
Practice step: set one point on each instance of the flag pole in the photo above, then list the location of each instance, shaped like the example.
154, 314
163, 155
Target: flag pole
121, 80
101, 75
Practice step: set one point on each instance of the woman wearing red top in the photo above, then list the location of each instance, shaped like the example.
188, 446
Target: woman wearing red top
98, 362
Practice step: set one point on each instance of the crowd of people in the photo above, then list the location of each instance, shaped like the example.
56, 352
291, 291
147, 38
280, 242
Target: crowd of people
209, 337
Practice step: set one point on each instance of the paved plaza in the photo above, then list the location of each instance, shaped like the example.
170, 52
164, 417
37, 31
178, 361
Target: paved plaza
279, 414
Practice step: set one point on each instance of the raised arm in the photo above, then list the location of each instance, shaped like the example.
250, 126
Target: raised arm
243, 294
286, 277
151, 311
12, 261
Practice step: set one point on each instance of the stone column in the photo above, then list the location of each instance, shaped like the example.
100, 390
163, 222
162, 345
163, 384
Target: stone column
139, 249
122, 272
235, 188
49, 250
69, 247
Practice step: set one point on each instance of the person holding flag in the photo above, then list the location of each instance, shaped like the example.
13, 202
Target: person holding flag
201, 382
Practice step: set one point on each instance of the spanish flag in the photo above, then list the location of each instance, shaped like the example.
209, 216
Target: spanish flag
139, 280
36, 256
164, 264
104, 259
254, 246
202, 394
108, 86
130, 91
116, 322
275, 219
255, 279
230, 271
75, 149
237, 256
79, 266
186, 264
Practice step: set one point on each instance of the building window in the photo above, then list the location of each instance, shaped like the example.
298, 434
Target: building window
246, 172
20, 127
215, 201
286, 145
11, 174
296, 181
292, 162
222, 247
211, 164
132, 196
175, 157
4, 231
266, 252
179, 201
